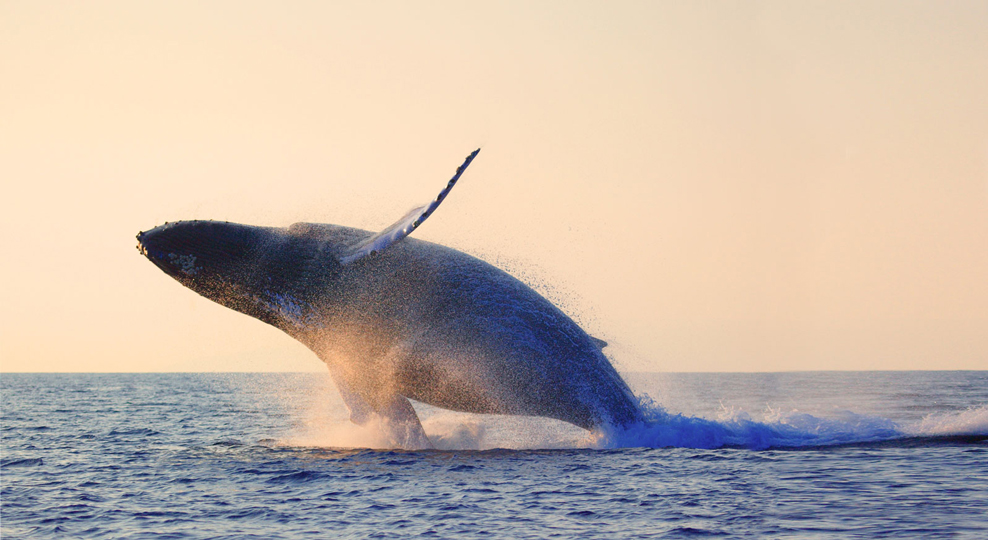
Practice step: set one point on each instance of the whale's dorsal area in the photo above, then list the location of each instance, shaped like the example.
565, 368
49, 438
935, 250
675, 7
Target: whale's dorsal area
407, 224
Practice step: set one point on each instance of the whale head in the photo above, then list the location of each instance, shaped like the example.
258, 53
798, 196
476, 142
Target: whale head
202, 254
264, 272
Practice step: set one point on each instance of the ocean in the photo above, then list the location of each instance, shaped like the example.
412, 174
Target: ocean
272, 455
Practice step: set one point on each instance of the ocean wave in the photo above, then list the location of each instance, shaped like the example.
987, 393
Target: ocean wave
28, 462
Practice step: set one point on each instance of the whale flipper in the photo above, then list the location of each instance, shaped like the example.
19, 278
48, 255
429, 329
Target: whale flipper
408, 223
367, 403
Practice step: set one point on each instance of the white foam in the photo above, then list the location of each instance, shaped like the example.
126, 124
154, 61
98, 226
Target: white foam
345, 434
327, 425
973, 421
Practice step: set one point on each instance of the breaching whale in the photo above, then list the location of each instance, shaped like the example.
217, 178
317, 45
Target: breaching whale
396, 318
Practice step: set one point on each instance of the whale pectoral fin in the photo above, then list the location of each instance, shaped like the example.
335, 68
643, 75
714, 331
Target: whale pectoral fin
361, 411
397, 416
404, 226
402, 423
599, 342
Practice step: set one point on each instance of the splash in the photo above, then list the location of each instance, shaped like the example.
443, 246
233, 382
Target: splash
375, 434
972, 422
734, 429
785, 429
324, 422
447, 430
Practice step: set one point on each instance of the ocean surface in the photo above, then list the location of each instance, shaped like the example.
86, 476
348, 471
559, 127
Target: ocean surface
781, 455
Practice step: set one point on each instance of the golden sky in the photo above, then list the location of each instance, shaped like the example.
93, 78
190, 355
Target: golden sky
753, 186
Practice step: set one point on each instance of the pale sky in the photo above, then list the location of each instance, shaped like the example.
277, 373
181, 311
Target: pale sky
755, 186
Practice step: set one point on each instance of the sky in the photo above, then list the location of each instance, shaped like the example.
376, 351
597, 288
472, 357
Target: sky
709, 186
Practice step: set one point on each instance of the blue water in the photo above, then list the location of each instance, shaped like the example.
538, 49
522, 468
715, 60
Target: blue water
796, 455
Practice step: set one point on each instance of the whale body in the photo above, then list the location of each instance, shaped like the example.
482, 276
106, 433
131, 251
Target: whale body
395, 318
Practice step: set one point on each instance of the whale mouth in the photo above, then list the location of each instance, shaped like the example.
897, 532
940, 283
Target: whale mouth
152, 254
142, 247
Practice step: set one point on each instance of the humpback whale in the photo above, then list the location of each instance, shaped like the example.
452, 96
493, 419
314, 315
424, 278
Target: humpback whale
397, 319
